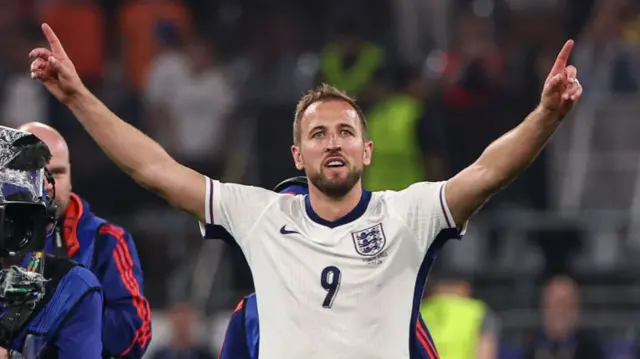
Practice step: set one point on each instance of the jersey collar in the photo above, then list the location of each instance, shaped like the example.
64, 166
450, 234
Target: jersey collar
355, 213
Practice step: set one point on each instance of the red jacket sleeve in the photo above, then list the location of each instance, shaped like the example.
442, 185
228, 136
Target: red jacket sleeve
126, 323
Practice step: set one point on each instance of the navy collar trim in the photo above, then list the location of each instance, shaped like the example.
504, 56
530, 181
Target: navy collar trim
356, 213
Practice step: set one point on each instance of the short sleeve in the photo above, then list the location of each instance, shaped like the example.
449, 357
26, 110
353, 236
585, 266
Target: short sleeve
232, 210
423, 207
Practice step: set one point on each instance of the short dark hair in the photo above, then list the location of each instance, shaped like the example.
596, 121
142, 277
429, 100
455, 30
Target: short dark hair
324, 93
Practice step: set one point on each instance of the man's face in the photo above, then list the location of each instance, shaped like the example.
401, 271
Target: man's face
560, 307
59, 163
332, 151
61, 170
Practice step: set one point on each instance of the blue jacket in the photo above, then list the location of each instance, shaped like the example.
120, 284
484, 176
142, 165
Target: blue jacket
243, 336
69, 322
109, 252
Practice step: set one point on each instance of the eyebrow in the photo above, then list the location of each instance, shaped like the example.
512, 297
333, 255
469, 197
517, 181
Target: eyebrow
346, 125
58, 169
323, 127
319, 127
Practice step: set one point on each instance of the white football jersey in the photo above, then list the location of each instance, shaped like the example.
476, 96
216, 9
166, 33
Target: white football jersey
345, 289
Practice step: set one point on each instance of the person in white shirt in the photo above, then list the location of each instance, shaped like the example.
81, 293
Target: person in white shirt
338, 273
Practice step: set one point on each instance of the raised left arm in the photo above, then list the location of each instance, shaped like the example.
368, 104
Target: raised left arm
511, 154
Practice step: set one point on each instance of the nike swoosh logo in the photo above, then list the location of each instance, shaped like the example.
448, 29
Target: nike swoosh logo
285, 231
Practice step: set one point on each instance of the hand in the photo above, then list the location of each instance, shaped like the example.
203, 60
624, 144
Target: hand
561, 90
55, 69
4, 353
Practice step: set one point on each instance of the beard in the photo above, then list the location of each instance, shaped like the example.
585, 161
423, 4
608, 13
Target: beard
335, 189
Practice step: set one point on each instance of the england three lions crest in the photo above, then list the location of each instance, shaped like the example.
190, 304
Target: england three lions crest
369, 242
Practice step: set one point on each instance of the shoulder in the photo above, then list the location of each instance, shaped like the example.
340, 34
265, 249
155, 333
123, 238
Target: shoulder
244, 188
588, 337
288, 203
112, 229
417, 192
79, 278
77, 284
110, 234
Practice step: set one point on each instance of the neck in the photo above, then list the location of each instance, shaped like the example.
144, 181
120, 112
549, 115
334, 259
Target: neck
558, 333
332, 209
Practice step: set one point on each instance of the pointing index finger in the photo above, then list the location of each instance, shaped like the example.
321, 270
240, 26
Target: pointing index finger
53, 40
563, 57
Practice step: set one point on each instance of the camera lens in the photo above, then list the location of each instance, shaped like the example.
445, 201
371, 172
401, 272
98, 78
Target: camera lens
16, 234
23, 227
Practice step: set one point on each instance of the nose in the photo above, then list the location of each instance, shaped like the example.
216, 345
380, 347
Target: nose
334, 143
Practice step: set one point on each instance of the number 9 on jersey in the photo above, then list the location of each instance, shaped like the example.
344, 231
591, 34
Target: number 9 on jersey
330, 281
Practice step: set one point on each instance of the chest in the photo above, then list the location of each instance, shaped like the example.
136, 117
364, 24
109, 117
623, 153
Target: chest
318, 262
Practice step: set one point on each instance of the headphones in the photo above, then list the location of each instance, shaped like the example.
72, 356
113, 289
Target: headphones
51, 207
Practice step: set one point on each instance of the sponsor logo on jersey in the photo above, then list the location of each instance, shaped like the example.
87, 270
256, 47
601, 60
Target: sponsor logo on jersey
286, 231
370, 241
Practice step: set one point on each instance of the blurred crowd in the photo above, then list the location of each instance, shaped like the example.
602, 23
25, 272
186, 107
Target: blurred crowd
216, 82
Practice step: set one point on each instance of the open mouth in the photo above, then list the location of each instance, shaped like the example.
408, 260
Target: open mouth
334, 162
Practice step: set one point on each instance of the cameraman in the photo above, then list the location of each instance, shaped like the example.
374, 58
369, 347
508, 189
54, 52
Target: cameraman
50, 307
106, 249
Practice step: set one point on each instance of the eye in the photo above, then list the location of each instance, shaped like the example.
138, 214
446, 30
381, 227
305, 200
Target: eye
345, 132
318, 134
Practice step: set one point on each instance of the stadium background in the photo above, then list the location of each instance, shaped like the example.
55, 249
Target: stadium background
478, 66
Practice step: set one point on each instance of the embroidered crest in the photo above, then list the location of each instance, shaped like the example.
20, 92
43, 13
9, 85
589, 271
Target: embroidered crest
369, 242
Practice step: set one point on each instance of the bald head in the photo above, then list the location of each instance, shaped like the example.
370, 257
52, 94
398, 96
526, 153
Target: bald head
54, 140
59, 164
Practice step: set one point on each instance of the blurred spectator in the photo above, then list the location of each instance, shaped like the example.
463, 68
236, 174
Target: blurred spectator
138, 20
10, 15
473, 100
631, 23
461, 327
169, 67
183, 325
560, 336
474, 65
197, 104
80, 25
350, 62
23, 100
274, 72
603, 43
406, 139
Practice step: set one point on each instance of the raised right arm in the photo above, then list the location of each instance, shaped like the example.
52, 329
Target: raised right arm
233, 207
139, 156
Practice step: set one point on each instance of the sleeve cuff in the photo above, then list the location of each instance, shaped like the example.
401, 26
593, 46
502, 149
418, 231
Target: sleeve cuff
448, 218
208, 202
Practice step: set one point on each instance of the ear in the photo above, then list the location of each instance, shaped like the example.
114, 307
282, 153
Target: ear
297, 157
368, 152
